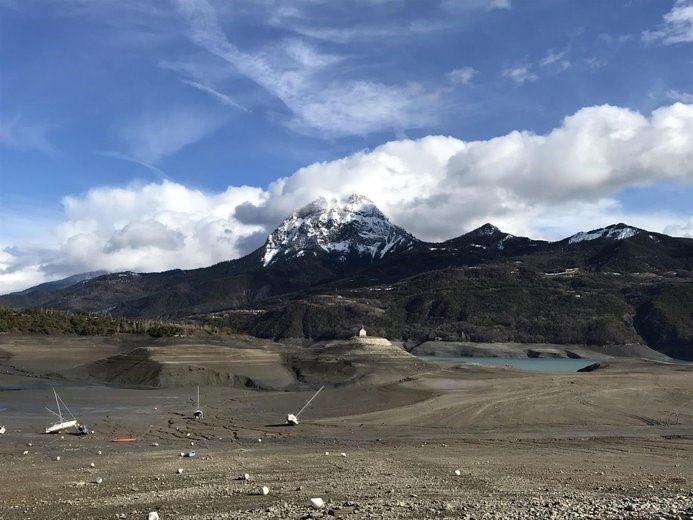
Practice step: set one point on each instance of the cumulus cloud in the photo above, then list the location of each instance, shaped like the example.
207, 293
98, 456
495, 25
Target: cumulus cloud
540, 185
677, 26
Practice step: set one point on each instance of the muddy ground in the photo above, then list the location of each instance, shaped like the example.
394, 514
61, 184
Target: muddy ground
448, 440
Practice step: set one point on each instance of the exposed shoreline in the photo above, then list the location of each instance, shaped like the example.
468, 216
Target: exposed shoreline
614, 443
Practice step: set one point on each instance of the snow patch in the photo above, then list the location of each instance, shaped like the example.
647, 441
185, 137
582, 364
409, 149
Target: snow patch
614, 233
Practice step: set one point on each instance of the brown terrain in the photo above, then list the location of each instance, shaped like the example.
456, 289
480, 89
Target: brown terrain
390, 436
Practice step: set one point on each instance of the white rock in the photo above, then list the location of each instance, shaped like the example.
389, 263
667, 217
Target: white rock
57, 458
155, 443
327, 453
92, 465
187, 434
458, 472
343, 454
25, 452
98, 480
182, 454
98, 452
265, 490
29, 444
153, 515
192, 444
2, 429
246, 476
180, 470
259, 440
317, 503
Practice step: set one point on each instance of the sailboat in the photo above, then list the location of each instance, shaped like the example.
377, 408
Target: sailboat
197, 414
291, 419
62, 423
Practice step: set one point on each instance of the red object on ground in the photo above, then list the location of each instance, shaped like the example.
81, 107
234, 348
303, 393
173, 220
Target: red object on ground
124, 439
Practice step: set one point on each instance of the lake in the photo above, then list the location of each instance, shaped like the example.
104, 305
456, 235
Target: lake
522, 363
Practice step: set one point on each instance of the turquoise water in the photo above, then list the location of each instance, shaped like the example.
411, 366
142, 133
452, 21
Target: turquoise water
523, 363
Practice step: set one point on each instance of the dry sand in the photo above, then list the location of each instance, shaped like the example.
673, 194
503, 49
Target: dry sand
613, 443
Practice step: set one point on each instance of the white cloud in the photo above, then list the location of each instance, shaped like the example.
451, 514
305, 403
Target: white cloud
677, 26
500, 4
544, 186
17, 133
680, 229
677, 95
462, 76
556, 59
308, 82
223, 98
151, 137
520, 74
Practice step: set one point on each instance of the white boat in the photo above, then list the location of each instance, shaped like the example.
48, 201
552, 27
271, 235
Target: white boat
291, 419
62, 423
198, 413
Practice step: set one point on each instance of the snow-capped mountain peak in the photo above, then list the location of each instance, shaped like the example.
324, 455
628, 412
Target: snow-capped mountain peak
613, 232
346, 225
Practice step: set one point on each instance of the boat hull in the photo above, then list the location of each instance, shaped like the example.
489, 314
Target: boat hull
61, 426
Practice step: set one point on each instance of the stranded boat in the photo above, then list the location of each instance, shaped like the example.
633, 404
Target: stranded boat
291, 419
62, 423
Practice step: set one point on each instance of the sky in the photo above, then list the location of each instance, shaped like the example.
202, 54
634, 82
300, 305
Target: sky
156, 135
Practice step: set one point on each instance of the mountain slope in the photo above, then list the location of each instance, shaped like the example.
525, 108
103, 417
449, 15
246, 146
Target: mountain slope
335, 265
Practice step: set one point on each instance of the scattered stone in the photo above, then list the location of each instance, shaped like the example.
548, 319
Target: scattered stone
259, 440
92, 465
265, 490
25, 452
343, 454
98, 452
317, 503
57, 458
155, 443
458, 472
180, 471
246, 476
153, 515
98, 480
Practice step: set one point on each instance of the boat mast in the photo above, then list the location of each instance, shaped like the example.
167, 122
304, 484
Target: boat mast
309, 401
57, 403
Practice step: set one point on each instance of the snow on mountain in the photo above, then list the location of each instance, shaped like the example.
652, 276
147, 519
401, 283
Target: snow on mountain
346, 225
615, 232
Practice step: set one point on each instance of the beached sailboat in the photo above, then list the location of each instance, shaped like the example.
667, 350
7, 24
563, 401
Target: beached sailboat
62, 423
291, 419
198, 413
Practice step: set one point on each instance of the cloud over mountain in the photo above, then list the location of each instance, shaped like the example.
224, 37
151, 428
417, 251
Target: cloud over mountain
542, 185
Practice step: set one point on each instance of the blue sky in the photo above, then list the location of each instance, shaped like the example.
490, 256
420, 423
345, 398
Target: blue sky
154, 135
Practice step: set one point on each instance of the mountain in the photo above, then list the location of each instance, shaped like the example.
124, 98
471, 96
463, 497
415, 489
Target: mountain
349, 227
63, 283
337, 264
